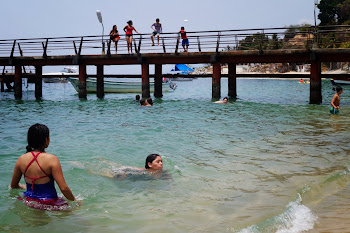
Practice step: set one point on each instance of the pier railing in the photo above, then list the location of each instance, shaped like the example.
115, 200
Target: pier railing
199, 41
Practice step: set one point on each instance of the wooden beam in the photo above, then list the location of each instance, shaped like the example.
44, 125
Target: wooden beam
315, 83
82, 81
38, 82
232, 80
18, 82
145, 81
216, 81
158, 80
100, 85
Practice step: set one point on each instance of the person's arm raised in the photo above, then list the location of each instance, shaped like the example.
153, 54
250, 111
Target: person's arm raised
59, 178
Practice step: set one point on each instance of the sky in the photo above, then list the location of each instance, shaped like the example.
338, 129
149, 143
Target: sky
56, 18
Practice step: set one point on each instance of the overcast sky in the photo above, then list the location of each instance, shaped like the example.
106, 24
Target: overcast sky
51, 18
48, 18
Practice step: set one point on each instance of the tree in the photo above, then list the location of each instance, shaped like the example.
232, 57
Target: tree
334, 12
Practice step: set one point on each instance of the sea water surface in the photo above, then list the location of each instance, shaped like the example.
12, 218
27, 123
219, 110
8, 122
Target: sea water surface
266, 162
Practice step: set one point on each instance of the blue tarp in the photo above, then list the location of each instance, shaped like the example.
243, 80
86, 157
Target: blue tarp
183, 68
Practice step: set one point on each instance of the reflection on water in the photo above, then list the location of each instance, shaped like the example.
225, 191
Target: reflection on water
267, 162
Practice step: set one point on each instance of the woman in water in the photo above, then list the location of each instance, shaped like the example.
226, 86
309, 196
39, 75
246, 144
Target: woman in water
40, 170
114, 36
153, 166
128, 29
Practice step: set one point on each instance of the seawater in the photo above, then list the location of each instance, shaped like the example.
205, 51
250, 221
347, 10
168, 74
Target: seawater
266, 162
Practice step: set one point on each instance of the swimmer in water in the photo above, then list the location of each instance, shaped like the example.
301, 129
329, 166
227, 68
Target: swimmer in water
40, 170
336, 101
223, 101
153, 165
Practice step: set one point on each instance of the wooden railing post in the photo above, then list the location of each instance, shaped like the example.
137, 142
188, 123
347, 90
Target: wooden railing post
199, 44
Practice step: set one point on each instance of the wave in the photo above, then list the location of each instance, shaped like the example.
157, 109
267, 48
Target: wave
297, 217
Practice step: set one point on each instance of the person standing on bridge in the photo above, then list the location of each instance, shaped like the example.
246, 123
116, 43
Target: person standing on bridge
128, 29
184, 39
114, 36
157, 29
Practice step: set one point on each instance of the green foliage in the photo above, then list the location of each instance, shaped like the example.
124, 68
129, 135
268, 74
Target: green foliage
254, 42
334, 12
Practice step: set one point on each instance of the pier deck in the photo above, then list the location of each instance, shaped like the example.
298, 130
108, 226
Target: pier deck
206, 47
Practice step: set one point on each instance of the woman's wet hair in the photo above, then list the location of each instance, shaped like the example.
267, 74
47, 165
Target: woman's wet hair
150, 159
150, 101
37, 136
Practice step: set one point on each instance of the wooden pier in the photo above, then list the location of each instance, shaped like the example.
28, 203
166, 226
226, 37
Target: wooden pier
201, 53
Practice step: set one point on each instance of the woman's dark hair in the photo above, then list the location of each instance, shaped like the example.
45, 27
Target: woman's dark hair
129, 22
37, 135
142, 102
150, 159
150, 101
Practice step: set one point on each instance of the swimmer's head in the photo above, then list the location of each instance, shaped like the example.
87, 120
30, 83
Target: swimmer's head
38, 137
142, 102
225, 100
338, 89
149, 101
154, 162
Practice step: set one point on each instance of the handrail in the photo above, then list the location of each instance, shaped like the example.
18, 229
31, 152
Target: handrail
259, 39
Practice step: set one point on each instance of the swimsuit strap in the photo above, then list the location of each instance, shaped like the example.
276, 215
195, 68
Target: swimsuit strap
30, 163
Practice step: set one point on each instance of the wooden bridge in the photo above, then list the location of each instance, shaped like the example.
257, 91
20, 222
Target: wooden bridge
307, 45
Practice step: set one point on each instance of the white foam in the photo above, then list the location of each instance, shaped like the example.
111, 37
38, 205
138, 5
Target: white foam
296, 218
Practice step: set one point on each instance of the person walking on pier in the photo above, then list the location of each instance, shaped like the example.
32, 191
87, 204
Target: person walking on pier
128, 29
336, 101
184, 39
157, 29
114, 36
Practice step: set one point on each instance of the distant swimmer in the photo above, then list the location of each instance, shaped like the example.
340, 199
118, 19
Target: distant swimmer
40, 170
149, 102
223, 101
137, 98
143, 102
336, 101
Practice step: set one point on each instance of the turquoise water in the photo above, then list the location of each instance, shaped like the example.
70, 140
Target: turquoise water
267, 162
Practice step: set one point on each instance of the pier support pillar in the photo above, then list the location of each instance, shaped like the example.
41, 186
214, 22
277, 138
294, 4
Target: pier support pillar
216, 81
232, 80
38, 82
82, 81
18, 82
145, 81
315, 83
158, 92
2, 85
100, 89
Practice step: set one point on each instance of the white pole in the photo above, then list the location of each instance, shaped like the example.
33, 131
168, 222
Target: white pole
99, 16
